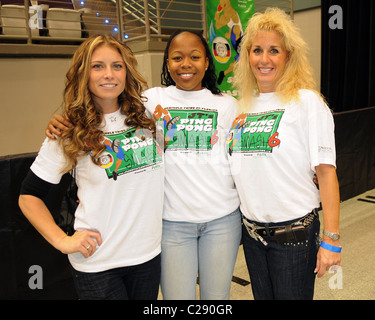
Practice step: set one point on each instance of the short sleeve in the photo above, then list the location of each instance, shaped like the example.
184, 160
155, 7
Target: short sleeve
50, 162
321, 126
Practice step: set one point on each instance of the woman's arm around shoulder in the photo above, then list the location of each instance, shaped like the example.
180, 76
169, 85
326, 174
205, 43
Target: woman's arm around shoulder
56, 124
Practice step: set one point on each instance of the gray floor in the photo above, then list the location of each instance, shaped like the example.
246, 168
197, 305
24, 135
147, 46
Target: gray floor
356, 278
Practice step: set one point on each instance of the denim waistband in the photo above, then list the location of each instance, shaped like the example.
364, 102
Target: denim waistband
282, 223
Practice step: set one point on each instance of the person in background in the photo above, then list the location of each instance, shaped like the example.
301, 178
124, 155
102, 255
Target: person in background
201, 218
282, 136
115, 250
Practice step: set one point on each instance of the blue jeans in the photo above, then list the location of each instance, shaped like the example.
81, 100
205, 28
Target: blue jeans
139, 282
282, 272
208, 249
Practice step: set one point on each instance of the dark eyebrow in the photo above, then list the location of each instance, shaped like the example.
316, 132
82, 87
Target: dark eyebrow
192, 51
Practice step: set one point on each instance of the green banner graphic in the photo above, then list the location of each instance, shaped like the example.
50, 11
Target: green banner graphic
255, 133
226, 22
128, 151
194, 129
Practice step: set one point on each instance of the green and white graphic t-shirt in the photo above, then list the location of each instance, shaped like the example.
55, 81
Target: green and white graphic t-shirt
198, 183
273, 151
122, 198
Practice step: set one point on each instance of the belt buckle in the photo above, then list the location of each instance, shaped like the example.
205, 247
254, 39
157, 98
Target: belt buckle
252, 230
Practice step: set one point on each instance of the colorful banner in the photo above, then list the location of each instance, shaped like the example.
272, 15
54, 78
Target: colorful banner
226, 22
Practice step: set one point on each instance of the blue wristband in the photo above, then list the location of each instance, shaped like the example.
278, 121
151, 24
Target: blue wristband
329, 247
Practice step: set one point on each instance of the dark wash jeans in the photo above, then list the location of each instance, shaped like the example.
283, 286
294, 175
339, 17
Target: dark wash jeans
282, 272
139, 282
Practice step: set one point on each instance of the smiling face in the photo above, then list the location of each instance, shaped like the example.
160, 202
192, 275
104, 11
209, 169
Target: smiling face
267, 58
187, 61
107, 77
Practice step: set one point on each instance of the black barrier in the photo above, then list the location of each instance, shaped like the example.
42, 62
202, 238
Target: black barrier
30, 268
22, 248
355, 148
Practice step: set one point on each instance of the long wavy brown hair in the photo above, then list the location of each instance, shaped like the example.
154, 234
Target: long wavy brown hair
79, 107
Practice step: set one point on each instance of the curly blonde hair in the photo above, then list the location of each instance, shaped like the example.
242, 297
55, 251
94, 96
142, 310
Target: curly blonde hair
298, 72
79, 107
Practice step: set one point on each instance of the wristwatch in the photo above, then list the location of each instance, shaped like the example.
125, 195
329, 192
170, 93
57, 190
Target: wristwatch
333, 236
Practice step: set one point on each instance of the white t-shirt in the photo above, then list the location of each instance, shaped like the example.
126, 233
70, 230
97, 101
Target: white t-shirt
127, 211
274, 151
198, 183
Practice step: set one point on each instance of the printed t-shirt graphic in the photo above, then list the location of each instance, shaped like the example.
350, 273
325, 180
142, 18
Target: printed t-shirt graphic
255, 132
128, 151
188, 128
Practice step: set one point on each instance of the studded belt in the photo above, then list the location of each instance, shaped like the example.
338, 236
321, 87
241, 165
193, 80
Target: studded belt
258, 232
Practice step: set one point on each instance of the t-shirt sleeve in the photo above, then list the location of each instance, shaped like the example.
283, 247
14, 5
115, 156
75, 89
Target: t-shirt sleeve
321, 125
50, 162
230, 113
151, 101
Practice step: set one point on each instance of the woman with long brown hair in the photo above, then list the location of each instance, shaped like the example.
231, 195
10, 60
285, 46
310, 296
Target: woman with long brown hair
115, 250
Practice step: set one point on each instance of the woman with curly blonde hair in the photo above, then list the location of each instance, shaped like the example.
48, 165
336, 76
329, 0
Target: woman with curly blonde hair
299, 73
115, 250
284, 135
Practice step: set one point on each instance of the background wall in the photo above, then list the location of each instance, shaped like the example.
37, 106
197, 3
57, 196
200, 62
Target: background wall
30, 92
309, 22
